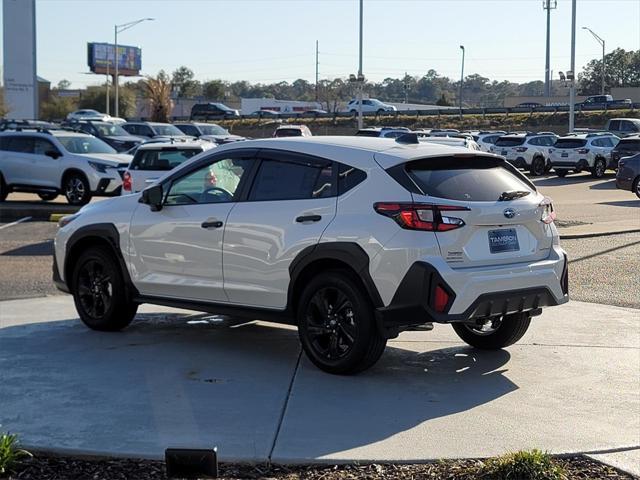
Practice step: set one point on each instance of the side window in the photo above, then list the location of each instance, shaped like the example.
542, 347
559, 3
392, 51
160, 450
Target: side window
349, 177
132, 129
627, 126
614, 125
597, 142
146, 130
20, 144
534, 141
216, 182
42, 146
292, 180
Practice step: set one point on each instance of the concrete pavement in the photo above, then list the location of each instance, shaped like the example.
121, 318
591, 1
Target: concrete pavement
175, 378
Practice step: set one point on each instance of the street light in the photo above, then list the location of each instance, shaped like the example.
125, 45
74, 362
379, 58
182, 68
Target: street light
360, 74
118, 29
601, 42
461, 79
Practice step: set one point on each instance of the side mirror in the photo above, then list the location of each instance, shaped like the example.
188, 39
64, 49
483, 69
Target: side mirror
152, 196
52, 153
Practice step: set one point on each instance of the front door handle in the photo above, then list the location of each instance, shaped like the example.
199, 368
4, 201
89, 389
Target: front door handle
211, 223
309, 218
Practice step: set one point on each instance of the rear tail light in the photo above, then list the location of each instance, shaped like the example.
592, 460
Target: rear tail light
548, 213
520, 149
582, 151
422, 216
440, 299
126, 182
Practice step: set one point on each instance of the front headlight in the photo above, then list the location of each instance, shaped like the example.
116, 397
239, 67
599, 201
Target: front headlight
99, 167
67, 219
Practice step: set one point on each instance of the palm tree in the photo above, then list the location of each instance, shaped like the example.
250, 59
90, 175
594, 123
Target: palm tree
158, 93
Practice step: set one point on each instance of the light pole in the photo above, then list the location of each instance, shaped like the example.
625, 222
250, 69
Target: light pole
118, 29
461, 80
360, 74
572, 77
601, 42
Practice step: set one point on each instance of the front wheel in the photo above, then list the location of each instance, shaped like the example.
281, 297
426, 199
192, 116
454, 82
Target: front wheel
99, 292
599, 168
76, 189
47, 197
4, 190
494, 333
537, 166
336, 325
636, 186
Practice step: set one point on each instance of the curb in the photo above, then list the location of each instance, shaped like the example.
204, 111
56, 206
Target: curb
575, 236
55, 217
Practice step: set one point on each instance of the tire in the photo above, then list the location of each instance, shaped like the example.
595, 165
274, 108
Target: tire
380, 110
76, 189
4, 190
508, 330
599, 167
562, 173
47, 197
345, 342
636, 186
99, 291
353, 112
537, 166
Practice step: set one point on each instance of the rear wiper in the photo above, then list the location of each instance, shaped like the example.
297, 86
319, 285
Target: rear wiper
512, 194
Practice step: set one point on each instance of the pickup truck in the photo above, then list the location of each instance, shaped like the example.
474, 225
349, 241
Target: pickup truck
623, 127
604, 101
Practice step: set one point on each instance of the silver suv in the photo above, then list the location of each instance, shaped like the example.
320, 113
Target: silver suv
528, 151
591, 151
51, 162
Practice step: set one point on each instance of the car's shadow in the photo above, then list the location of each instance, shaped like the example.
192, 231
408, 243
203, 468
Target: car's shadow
172, 380
623, 203
573, 178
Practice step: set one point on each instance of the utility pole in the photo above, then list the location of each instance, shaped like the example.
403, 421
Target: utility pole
572, 85
548, 5
461, 80
406, 89
108, 61
316, 70
360, 74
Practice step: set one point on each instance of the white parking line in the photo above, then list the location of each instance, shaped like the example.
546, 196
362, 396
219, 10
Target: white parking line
25, 219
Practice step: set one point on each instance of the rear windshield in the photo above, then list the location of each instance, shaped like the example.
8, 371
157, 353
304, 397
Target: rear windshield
570, 143
368, 133
288, 132
628, 146
473, 179
161, 160
509, 141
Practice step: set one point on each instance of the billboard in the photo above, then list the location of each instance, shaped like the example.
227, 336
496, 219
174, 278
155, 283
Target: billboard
101, 57
19, 40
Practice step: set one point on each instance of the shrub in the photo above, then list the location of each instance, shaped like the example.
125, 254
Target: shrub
522, 465
9, 452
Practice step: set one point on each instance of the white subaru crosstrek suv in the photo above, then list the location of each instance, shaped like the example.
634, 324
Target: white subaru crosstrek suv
528, 151
591, 151
370, 105
53, 162
351, 239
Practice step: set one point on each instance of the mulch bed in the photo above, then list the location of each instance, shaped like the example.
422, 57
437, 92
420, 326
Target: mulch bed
42, 467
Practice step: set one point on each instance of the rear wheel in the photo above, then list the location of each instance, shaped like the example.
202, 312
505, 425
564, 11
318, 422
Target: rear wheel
4, 190
636, 186
599, 168
99, 292
494, 333
336, 324
76, 189
537, 166
562, 173
47, 197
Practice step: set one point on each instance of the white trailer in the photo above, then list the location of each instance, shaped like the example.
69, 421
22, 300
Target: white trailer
250, 105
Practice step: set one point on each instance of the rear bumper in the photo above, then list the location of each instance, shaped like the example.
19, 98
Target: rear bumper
475, 293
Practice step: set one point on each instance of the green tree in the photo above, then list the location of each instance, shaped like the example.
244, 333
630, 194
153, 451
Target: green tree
443, 102
3, 106
64, 84
96, 99
214, 89
56, 108
622, 69
183, 80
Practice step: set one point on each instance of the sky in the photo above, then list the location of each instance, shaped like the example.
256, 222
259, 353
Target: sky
268, 41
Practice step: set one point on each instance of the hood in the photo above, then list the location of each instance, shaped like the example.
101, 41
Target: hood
111, 159
222, 138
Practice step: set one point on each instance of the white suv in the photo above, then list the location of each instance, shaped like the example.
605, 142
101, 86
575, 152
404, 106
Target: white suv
351, 239
591, 151
370, 105
51, 162
529, 151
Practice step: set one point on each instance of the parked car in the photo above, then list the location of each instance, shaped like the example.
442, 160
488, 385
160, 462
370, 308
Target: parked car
626, 147
529, 105
623, 127
159, 130
292, 131
370, 105
462, 141
382, 132
206, 111
108, 132
265, 114
208, 131
589, 151
487, 139
88, 114
529, 151
53, 162
153, 160
628, 175
314, 113
439, 223
603, 101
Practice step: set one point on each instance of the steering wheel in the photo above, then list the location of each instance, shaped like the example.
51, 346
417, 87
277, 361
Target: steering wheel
225, 195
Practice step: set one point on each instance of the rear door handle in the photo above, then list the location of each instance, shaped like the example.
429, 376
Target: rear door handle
309, 218
211, 223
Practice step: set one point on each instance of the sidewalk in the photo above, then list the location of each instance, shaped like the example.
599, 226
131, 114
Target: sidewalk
178, 379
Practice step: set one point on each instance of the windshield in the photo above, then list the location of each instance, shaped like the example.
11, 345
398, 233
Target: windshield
509, 141
629, 146
288, 132
167, 130
162, 160
109, 129
213, 130
570, 143
85, 145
